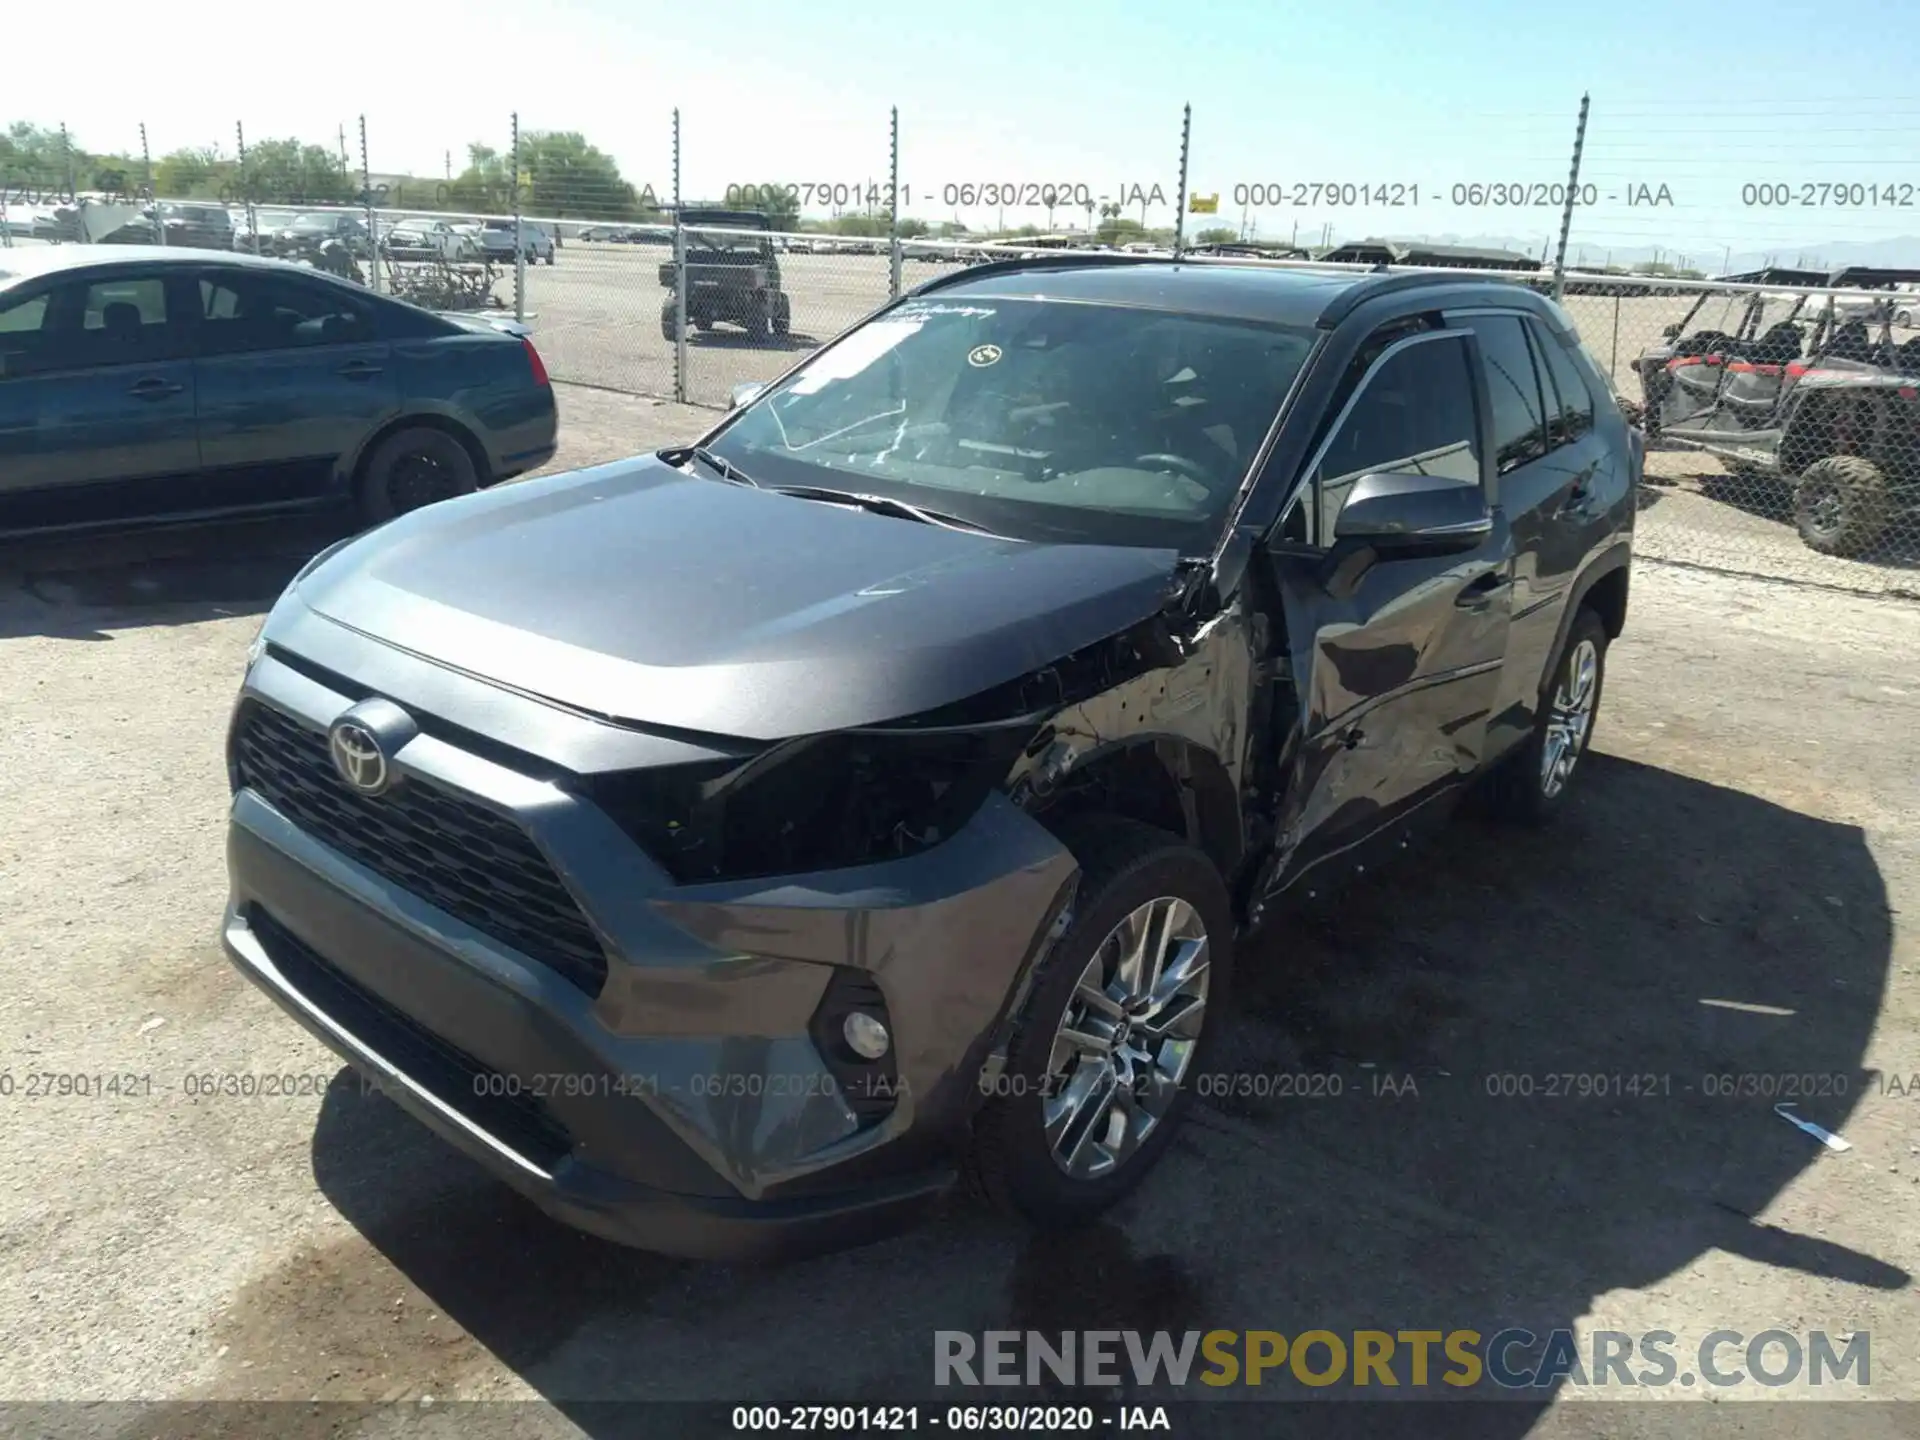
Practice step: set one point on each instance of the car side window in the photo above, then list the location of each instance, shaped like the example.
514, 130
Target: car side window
22, 334
241, 313
1413, 413
1513, 387
1569, 402
85, 325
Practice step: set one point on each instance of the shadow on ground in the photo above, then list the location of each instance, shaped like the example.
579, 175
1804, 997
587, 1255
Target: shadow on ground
1486, 1195
740, 340
85, 588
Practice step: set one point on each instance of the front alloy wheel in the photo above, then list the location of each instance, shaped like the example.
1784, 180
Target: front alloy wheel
1108, 1043
1127, 1037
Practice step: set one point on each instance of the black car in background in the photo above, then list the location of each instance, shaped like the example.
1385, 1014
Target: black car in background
171, 384
306, 233
725, 845
173, 222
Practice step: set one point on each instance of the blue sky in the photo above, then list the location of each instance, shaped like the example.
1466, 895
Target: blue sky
1070, 92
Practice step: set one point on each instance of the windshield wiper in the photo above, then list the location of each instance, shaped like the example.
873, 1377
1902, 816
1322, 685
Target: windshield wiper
882, 505
728, 471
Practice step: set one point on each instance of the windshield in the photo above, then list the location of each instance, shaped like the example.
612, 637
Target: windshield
1041, 420
313, 222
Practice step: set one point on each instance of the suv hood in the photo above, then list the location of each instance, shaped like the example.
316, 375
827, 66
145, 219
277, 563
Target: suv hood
642, 593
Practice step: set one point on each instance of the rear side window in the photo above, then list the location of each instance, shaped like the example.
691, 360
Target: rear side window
242, 313
1569, 402
1519, 426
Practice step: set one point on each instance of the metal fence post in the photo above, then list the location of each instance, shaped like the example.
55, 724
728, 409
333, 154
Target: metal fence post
1180, 196
6, 225
153, 198
519, 239
373, 220
246, 186
893, 207
66, 157
1566, 212
679, 276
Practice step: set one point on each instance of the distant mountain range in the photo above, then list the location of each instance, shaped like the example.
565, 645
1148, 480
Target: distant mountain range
1899, 252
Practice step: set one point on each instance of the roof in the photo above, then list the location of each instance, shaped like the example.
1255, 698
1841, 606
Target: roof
1873, 277
1777, 275
1296, 295
1415, 252
23, 262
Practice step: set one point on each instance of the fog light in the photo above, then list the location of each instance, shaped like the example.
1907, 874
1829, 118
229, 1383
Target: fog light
866, 1036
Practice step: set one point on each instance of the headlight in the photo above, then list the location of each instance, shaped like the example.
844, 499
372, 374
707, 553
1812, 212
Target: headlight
258, 646
824, 803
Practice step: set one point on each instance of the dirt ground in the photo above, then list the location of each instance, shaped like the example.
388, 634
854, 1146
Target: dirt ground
1732, 893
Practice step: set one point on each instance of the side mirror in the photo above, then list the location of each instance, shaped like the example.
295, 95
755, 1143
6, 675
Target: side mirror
1401, 517
1672, 332
744, 394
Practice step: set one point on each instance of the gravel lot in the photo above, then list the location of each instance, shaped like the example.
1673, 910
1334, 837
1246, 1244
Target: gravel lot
1746, 833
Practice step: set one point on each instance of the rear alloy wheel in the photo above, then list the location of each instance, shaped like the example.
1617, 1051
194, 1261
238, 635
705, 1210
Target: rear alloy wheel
413, 468
1106, 1049
1531, 785
1841, 505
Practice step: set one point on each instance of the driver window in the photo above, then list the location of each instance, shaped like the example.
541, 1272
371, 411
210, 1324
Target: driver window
1413, 414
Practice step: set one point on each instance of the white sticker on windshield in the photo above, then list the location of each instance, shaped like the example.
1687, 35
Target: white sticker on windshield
854, 354
982, 356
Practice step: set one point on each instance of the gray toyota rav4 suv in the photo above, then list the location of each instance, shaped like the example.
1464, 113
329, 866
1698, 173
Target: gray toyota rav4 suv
731, 847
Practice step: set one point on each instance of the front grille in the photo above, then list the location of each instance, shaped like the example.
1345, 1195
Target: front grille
517, 1120
451, 852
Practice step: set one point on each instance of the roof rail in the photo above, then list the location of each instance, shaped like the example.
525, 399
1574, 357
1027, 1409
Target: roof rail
1372, 284
1017, 264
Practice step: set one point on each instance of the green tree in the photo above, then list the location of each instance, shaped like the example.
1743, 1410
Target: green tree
287, 172
34, 156
1217, 235
778, 202
561, 175
191, 174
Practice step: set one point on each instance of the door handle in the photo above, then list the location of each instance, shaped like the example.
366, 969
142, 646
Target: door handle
358, 370
1483, 587
154, 388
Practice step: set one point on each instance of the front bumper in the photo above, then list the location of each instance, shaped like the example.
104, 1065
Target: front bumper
685, 1106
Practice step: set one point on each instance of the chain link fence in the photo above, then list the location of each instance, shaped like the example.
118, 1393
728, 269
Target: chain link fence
1779, 403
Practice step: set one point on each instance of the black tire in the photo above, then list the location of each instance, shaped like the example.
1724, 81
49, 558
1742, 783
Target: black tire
783, 317
1520, 788
667, 330
1841, 505
412, 468
1124, 865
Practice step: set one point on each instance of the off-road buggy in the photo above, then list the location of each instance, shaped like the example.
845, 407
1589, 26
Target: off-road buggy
732, 278
1807, 387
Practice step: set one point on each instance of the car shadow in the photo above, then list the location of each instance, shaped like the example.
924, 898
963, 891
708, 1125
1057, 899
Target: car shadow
86, 588
740, 340
1666, 933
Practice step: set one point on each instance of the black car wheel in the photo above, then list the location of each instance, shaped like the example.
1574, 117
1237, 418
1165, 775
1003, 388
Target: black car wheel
1531, 785
413, 468
1841, 505
1114, 1029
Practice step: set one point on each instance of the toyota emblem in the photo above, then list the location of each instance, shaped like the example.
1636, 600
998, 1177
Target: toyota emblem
358, 757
